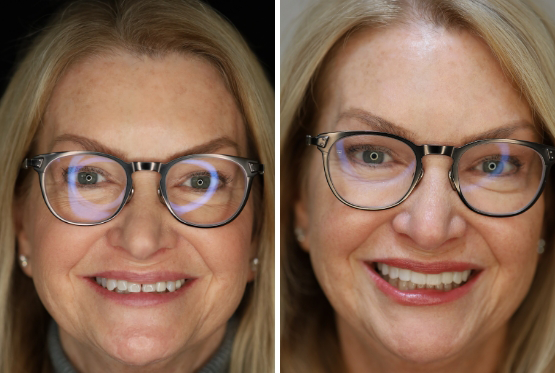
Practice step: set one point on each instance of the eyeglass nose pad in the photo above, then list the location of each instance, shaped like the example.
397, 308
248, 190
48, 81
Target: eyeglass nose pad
452, 181
160, 197
420, 176
130, 195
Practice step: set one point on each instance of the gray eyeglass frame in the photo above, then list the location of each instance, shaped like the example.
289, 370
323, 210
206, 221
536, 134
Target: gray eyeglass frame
325, 141
250, 168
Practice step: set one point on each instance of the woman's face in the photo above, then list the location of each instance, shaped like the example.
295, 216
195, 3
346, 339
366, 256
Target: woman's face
146, 109
438, 87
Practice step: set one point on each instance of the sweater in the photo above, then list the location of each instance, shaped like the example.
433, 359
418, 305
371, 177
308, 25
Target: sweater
219, 362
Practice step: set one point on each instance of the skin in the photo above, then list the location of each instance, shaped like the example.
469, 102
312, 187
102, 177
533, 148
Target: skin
148, 110
444, 87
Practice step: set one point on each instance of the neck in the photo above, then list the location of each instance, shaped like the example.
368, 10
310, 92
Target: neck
87, 359
365, 354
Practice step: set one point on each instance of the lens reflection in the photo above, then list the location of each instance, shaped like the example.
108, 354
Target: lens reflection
500, 178
371, 171
85, 188
206, 190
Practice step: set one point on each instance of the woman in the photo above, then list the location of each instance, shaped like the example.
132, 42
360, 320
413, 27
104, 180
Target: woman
106, 265
422, 243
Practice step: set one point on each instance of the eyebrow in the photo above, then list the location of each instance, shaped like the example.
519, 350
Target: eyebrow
93, 145
382, 125
377, 123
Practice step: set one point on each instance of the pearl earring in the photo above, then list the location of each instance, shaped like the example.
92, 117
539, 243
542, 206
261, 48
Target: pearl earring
299, 234
541, 246
254, 264
23, 260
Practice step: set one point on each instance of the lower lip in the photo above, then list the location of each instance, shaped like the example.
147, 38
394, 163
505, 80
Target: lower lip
420, 297
140, 299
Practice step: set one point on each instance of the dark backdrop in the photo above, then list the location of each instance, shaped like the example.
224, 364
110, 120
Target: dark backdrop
254, 19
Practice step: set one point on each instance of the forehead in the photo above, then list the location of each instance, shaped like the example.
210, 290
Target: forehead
143, 108
436, 85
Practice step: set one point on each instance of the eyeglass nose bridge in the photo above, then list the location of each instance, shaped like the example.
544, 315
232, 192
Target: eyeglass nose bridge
439, 150
145, 166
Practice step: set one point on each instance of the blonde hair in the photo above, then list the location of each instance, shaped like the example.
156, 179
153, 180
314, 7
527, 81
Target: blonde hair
523, 42
141, 27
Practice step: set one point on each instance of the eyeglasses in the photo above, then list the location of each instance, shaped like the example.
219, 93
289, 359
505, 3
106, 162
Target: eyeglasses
377, 171
90, 188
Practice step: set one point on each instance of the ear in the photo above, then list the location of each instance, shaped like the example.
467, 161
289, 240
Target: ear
302, 223
23, 246
254, 254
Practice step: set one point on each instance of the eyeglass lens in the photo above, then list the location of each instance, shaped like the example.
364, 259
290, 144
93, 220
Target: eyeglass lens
91, 188
373, 171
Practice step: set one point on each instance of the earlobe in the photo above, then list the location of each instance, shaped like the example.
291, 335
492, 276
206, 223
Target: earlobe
254, 265
301, 232
23, 247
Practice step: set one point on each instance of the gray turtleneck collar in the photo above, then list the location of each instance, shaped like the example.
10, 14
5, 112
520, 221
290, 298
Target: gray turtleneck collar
219, 363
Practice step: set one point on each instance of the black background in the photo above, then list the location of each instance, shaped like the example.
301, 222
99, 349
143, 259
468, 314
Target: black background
21, 18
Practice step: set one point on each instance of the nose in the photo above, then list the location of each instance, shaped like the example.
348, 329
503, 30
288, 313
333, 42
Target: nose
142, 228
431, 216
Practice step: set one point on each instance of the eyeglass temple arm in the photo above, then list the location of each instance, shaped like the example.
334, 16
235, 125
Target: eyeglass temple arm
320, 141
256, 168
36, 163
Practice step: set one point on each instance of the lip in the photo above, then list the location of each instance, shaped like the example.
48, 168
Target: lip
423, 297
140, 299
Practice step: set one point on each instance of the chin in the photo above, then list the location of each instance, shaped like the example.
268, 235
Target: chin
139, 349
424, 343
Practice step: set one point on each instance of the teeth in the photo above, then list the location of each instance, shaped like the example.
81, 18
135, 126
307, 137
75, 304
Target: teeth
170, 285
405, 279
111, 284
404, 275
149, 288
393, 272
125, 287
418, 278
160, 286
122, 285
447, 277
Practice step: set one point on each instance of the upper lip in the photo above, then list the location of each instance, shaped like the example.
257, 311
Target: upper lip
429, 267
143, 278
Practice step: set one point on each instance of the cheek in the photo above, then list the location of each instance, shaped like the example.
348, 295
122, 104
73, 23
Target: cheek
338, 235
513, 242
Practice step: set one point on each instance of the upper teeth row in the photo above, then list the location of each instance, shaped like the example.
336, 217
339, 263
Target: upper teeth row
423, 278
133, 287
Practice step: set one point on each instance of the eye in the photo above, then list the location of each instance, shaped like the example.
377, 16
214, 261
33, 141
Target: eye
89, 178
496, 167
200, 182
373, 157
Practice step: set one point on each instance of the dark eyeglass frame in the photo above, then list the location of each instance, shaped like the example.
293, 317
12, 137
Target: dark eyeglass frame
325, 141
40, 163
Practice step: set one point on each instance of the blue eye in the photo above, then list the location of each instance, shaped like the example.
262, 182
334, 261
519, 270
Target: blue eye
495, 167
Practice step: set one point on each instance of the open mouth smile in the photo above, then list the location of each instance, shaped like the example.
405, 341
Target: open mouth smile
405, 279
422, 284
127, 287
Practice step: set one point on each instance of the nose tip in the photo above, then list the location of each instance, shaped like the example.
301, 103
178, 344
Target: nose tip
141, 229
429, 218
